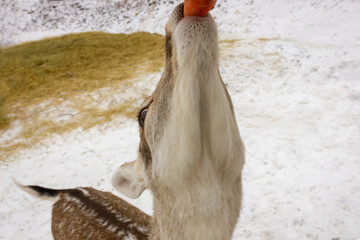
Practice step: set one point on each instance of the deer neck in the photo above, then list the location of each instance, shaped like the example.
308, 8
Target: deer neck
197, 161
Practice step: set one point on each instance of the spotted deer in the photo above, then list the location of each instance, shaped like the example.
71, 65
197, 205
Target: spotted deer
87, 213
190, 154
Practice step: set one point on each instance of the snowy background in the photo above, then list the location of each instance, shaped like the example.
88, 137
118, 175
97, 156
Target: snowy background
293, 71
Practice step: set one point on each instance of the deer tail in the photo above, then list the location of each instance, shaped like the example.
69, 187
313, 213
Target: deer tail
40, 192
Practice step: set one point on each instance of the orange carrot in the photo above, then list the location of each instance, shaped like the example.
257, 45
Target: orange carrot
198, 7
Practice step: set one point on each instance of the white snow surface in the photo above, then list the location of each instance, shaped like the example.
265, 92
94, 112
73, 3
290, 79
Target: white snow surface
293, 75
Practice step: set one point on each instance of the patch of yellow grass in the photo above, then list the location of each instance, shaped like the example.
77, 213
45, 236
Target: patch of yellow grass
64, 67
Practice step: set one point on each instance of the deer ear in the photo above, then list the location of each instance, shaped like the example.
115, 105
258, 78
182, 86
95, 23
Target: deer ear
129, 179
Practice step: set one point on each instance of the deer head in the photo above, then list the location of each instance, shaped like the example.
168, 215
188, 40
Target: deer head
190, 152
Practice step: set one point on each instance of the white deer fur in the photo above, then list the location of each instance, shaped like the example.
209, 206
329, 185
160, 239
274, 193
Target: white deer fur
201, 131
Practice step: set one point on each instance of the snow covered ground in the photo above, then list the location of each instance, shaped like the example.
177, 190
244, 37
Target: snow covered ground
293, 72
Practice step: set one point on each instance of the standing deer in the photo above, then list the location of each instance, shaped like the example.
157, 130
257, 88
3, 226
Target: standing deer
190, 154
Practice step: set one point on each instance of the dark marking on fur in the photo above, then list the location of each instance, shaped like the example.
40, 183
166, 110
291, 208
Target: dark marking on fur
45, 192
